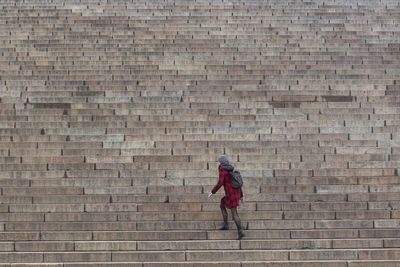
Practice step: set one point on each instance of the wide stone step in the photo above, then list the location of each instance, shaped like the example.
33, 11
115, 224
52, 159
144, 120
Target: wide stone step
335, 263
162, 185
147, 221
196, 245
45, 214
194, 256
127, 235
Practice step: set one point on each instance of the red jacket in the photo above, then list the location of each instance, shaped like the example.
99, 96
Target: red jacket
232, 195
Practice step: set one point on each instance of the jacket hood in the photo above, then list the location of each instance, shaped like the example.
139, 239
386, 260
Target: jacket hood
227, 167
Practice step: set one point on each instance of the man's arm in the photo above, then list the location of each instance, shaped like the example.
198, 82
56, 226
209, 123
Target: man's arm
218, 185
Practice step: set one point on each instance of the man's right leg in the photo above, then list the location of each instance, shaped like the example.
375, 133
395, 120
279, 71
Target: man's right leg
238, 223
225, 217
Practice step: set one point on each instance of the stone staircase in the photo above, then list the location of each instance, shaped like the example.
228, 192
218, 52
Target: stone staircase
113, 113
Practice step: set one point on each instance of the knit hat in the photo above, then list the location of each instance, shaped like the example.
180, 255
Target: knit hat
223, 159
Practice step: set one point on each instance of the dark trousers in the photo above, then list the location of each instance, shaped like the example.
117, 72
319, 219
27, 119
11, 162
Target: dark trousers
235, 216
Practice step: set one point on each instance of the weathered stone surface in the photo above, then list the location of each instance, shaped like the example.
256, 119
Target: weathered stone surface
144, 256
188, 245
44, 246
77, 257
113, 115
361, 243
105, 246
324, 255
21, 257
237, 255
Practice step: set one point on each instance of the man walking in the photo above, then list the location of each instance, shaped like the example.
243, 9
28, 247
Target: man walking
232, 195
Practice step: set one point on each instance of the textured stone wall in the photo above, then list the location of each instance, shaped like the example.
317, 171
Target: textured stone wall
113, 113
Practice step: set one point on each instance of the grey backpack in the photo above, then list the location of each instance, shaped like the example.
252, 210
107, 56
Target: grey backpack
236, 179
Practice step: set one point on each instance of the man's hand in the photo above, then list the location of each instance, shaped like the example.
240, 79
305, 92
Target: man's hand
210, 194
242, 199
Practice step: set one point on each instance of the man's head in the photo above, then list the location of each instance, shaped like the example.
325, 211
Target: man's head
223, 160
